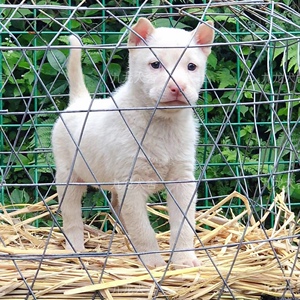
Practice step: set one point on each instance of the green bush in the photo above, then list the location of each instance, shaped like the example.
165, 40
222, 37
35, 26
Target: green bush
248, 117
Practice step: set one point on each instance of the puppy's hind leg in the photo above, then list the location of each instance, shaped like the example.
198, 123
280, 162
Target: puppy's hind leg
70, 195
117, 207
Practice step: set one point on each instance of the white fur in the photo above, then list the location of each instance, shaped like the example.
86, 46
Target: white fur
109, 149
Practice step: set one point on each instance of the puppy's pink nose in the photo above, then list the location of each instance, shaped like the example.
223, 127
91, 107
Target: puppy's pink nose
176, 89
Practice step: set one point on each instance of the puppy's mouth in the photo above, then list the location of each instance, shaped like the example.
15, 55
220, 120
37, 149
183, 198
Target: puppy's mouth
174, 102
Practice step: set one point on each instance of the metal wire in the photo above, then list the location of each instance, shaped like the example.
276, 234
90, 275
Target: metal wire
260, 27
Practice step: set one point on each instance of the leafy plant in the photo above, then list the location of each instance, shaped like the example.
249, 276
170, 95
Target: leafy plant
246, 137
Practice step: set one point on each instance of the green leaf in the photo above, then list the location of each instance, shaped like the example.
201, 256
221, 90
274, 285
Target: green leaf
23, 159
112, 39
243, 132
92, 83
95, 39
56, 59
64, 39
59, 88
24, 65
155, 3
243, 110
279, 49
12, 57
29, 77
228, 19
212, 60
75, 24
246, 50
95, 56
92, 12
47, 69
248, 95
22, 12
39, 54
169, 23
114, 70
296, 191
229, 95
20, 89
19, 196
211, 74
225, 78
293, 63
282, 112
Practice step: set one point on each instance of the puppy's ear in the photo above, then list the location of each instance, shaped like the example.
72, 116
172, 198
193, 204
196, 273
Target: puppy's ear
204, 34
140, 31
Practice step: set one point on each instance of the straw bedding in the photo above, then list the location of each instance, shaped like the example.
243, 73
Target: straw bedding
251, 260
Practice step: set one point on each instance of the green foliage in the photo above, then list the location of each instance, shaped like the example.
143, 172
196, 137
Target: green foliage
254, 142
236, 137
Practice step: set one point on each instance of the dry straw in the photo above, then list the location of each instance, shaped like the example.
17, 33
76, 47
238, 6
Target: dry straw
251, 260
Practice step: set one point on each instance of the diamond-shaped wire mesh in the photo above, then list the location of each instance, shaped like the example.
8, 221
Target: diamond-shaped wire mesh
248, 116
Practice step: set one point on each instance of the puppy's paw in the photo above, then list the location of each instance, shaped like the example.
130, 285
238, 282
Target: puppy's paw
77, 246
185, 260
153, 260
74, 238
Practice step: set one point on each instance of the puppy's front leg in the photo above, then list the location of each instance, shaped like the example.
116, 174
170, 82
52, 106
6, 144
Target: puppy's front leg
182, 235
134, 214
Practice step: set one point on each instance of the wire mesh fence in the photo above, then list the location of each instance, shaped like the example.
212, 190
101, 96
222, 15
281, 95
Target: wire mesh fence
248, 115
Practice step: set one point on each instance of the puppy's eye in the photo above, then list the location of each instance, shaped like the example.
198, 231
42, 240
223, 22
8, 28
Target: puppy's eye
156, 65
191, 67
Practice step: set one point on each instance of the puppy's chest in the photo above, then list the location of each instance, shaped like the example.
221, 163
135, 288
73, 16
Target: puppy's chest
165, 144
165, 147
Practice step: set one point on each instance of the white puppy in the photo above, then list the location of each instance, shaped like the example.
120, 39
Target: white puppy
94, 143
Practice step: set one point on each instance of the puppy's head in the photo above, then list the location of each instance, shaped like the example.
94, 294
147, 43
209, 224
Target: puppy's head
167, 65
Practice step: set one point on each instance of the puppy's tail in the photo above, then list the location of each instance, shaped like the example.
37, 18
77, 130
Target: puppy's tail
78, 88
